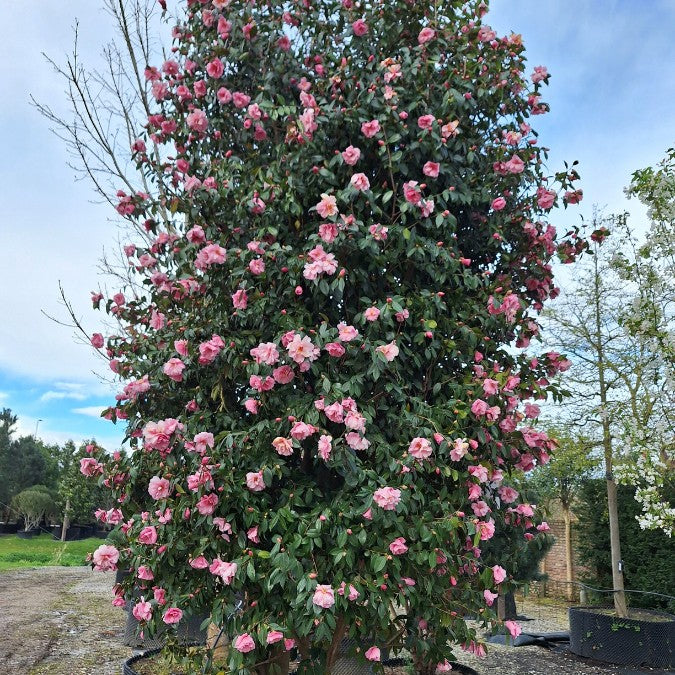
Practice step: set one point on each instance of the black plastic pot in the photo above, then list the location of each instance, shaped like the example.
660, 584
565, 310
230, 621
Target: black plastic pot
28, 534
632, 642
9, 528
129, 664
189, 631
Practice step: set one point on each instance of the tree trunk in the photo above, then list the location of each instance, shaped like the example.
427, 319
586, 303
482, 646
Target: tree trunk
614, 534
569, 561
66, 520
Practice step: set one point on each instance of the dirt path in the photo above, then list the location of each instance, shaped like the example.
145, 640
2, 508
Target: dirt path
59, 621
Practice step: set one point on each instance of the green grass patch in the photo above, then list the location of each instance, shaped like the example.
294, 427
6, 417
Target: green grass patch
42, 551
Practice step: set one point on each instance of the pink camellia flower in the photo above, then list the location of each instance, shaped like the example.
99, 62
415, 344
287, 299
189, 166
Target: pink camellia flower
90, 467
346, 333
244, 643
240, 299
225, 570
198, 121
373, 654
420, 448
431, 169
199, 563
257, 266
324, 596
284, 446
207, 504
172, 615
490, 387
157, 435
148, 535
144, 573
540, 73
212, 254
426, 34
209, 350
328, 232
515, 165
370, 129
360, 27
255, 481
240, 100
498, 204
142, 611
490, 597
513, 628
300, 430
498, 574
181, 346
486, 529
283, 374
302, 349
398, 546
351, 155
444, 667
480, 472
252, 534
325, 447
160, 596
334, 349
327, 207
174, 368
215, 69
266, 353
426, 122
274, 636
252, 405
479, 407
159, 487
411, 192
545, 198
97, 340
387, 498
389, 351
359, 181
203, 441
475, 648
371, 314
507, 494
105, 558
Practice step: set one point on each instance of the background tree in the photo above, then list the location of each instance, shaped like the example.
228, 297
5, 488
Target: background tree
647, 556
7, 423
559, 481
608, 367
78, 498
32, 505
648, 267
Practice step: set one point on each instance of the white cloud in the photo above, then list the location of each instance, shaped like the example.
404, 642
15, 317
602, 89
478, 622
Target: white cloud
59, 395
89, 411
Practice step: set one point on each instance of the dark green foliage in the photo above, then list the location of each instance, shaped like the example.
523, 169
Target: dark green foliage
648, 556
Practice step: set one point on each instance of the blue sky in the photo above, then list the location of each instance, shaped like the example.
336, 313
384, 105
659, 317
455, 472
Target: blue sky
612, 93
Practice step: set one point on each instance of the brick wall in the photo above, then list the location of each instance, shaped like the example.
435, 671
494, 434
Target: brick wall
554, 566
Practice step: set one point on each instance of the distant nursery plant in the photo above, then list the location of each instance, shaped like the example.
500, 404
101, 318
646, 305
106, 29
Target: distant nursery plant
345, 242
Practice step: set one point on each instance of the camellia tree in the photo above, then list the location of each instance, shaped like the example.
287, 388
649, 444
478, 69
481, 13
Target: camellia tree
323, 352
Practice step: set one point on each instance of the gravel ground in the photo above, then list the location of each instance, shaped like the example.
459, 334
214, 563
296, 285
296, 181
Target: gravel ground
59, 621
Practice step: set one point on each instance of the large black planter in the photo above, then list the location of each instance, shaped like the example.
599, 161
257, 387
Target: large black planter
189, 631
630, 642
9, 528
456, 667
28, 534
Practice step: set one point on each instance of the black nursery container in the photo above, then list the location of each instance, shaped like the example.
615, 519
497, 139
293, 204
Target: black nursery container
631, 642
